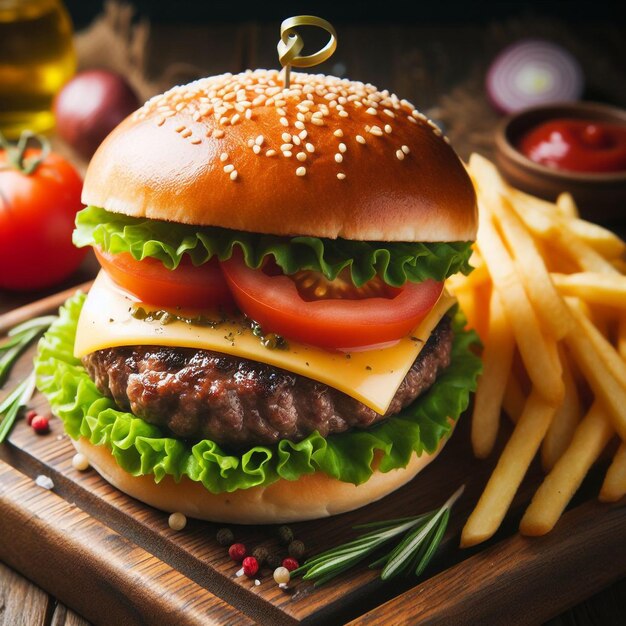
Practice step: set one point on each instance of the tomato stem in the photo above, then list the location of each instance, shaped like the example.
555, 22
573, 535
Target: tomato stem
15, 153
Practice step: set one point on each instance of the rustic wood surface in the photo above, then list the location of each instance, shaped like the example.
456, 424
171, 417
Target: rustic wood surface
441, 70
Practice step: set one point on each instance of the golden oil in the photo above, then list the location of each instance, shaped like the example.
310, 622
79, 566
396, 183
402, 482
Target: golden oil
36, 58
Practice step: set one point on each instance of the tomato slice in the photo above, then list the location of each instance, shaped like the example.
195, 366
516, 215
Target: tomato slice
275, 302
187, 286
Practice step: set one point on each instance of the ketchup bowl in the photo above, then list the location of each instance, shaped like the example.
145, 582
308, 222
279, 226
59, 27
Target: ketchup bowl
600, 196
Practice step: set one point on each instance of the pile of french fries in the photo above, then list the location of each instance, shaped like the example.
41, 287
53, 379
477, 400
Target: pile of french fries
548, 298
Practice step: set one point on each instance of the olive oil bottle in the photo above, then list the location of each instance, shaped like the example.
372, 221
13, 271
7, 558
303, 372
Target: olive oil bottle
36, 58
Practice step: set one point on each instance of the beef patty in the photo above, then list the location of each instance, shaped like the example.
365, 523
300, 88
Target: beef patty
198, 394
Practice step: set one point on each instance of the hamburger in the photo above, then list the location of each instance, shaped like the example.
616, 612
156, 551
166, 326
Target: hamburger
270, 338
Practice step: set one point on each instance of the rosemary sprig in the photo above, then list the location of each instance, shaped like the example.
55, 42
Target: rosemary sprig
422, 536
19, 338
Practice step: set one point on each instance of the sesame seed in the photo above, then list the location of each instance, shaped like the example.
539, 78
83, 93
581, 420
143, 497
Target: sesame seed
371, 111
186, 134
286, 146
400, 154
309, 147
405, 149
317, 121
286, 137
235, 118
218, 133
342, 147
338, 133
223, 120
259, 140
283, 121
389, 113
411, 119
341, 176
300, 117
360, 139
229, 168
299, 125
161, 121
317, 114
296, 140
224, 157
301, 156
338, 157
270, 153
250, 143
343, 114
303, 134
196, 141
233, 175
301, 171
287, 153
256, 149
248, 114
280, 111
376, 131
387, 128
180, 128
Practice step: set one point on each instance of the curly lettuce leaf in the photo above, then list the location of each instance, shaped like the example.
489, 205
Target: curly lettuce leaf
396, 263
143, 449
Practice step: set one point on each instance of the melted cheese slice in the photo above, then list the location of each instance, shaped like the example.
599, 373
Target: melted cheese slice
371, 376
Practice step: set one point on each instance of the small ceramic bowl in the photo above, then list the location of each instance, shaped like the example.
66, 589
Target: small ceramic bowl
600, 197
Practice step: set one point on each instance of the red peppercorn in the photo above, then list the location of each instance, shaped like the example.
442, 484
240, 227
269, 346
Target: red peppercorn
40, 424
290, 564
30, 415
237, 552
250, 566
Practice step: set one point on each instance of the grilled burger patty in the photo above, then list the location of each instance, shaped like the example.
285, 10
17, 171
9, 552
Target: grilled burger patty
199, 394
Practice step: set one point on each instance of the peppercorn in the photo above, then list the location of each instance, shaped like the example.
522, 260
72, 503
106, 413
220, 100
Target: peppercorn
237, 552
296, 549
290, 564
40, 424
282, 576
273, 560
285, 534
30, 415
260, 554
250, 566
177, 521
225, 537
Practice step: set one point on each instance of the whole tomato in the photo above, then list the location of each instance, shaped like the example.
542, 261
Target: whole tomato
39, 197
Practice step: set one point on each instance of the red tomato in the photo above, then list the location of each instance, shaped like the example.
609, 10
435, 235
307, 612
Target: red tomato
37, 212
187, 286
275, 302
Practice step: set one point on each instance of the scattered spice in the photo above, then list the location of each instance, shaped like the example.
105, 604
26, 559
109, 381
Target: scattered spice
41, 424
290, 564
44, 481
80, 462
166, 317
282, 576
260, 554
250, 566
177, 521
30, 416
225, 537
296, 549
273, 560
285, 535
237, 552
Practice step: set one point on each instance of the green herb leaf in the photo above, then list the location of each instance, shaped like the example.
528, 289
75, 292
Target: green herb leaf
395, 262
11, 405
423, 536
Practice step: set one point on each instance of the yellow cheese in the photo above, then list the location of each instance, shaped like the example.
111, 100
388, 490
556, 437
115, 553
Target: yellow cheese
371, 376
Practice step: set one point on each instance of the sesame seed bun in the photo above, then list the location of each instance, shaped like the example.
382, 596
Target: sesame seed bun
242, 153
310, 497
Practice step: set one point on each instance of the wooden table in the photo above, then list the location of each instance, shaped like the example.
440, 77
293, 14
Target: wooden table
440, 69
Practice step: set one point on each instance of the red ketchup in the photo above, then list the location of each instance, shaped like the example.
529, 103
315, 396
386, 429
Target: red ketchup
577, 145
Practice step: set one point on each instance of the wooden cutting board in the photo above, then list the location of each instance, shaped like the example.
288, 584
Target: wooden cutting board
115, 560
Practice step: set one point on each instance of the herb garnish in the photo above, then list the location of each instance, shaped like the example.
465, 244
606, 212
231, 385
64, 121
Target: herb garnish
19, 338
422, 536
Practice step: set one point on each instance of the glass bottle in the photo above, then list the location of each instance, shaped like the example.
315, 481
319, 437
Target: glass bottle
36, 58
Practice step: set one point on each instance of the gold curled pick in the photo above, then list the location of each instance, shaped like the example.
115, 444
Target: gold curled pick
291, 44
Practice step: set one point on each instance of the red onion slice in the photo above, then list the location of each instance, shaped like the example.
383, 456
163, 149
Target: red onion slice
533, 72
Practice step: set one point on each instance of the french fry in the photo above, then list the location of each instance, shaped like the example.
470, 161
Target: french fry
513, 400
565, 420
557, 489
601, 288
602, 367
603, 241
614, 485
584, 255
566, 205
621, 336
510, 471
497, 361
544, 373
546, 300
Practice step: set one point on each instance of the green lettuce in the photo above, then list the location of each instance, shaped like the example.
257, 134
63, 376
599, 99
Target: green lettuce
142, 449
396, 263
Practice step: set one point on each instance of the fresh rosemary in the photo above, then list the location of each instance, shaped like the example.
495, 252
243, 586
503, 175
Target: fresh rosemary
422, 536
19, 338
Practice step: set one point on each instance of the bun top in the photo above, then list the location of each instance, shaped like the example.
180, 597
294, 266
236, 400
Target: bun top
327, 157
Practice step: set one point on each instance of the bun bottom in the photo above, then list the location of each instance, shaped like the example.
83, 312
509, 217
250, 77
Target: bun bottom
312, 496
